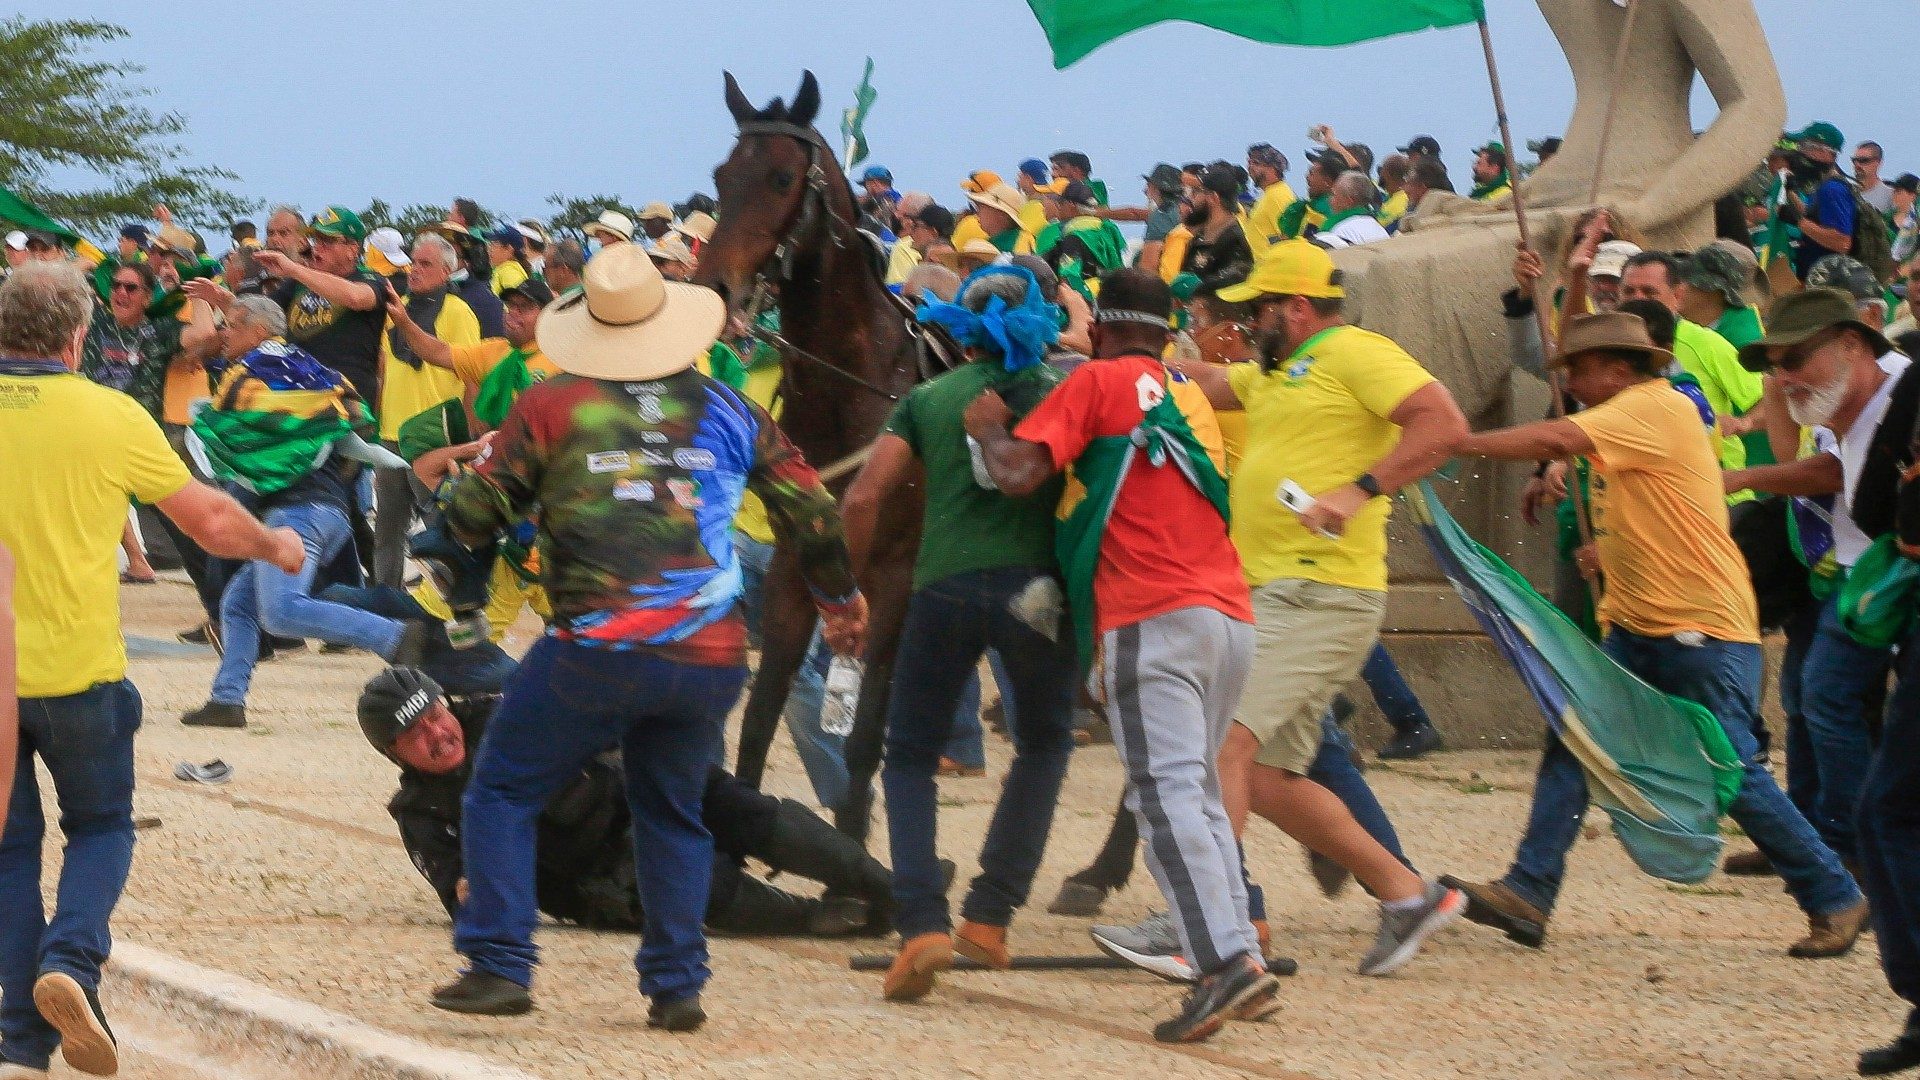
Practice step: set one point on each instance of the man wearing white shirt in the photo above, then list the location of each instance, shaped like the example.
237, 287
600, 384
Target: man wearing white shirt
1350, 221
1838, 375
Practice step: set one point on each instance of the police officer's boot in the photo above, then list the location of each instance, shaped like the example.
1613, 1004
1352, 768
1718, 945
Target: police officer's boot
859, 889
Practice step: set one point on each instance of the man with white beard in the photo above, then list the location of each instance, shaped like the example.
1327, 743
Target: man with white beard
1837, 375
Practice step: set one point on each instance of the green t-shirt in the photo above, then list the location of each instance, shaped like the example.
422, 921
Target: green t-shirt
968, 527
1740, 326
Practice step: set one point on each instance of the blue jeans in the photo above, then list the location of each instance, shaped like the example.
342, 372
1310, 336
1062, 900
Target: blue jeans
824, 756
949, 624
566, 704
1333, 769
1724, 677
1838, 680
1889, 833
85, 740
264, 597
1396, 699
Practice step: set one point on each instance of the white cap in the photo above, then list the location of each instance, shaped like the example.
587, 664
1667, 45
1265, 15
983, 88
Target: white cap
390, 244
611, 221
1610, 259
17, 240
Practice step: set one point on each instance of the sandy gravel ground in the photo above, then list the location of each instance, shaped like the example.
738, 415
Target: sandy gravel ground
292, 876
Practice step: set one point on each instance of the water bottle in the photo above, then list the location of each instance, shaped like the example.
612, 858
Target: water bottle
843, 696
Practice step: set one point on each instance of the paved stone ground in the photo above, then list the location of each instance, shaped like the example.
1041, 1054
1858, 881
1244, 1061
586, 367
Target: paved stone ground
291, 876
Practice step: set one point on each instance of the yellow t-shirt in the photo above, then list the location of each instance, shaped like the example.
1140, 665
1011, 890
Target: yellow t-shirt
507, 275
407, 391
1319, 419
1262, 222
1174, 253
1393, 209
473, 363
73, 454
1660, 520
901, 261
762, 381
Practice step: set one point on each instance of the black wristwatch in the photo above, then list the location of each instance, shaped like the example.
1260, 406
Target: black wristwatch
1365, 482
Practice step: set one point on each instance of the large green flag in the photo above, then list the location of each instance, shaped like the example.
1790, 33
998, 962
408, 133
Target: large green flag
24, 214
853, 122
1077, 27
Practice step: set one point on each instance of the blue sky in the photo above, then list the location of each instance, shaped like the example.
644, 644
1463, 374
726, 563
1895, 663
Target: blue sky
420, 100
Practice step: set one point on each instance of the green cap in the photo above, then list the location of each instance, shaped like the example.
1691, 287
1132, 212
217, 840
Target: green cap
1821, 132
1796, 318
338, 221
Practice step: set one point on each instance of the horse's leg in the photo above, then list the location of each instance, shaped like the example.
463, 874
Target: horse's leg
786, 630
1084, 892
888, 581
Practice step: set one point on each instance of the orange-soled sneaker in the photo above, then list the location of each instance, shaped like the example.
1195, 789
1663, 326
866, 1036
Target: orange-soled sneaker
984, 945
921, 958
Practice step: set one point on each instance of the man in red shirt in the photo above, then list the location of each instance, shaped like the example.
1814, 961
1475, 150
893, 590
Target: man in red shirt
1162, 612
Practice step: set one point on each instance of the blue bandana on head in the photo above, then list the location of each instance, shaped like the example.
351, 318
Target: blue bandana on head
1020, 334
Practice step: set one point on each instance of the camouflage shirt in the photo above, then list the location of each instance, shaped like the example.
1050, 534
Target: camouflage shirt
635, 486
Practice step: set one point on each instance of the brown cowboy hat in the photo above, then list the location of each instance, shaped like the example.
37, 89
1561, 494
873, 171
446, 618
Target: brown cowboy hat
629, 323
1613, 330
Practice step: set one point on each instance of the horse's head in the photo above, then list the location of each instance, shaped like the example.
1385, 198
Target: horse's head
779, 177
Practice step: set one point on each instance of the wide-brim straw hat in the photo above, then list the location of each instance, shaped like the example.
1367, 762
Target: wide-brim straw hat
970, 256
629, 323
1002, 197
698, 225
1612, 330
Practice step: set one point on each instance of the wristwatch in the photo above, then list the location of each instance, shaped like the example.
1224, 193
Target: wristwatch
1365, 482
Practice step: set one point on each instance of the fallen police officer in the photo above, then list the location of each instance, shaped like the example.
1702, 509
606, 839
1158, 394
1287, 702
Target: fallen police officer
585, 863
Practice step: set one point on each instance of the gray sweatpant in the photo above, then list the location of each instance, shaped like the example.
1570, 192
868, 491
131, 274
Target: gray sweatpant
1171, 685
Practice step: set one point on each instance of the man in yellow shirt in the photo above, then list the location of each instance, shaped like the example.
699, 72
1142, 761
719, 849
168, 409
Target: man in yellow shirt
1268, 169
1337, 418
410, 386
1679, 612
493, 372
1393, 181
74, 454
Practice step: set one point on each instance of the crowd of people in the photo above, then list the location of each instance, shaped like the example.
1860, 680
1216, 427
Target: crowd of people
1157, 492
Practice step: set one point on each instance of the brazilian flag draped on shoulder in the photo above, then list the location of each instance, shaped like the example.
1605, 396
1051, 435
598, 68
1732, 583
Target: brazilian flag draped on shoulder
277, 415
1166, 440
1661, 766
1077, 27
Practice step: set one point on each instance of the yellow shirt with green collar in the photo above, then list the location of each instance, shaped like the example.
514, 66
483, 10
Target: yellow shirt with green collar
407, 391
1261, 223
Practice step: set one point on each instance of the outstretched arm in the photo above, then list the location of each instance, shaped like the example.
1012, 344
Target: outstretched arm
1018, 467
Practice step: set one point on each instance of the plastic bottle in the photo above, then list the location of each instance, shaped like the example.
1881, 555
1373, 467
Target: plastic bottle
843, 696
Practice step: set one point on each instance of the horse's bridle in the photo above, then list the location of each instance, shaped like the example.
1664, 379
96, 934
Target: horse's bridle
813, 213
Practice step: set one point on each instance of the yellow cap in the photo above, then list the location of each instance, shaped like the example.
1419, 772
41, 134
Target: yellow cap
1289, 268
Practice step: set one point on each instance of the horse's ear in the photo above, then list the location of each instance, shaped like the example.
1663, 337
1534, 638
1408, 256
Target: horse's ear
806, 102
737, 102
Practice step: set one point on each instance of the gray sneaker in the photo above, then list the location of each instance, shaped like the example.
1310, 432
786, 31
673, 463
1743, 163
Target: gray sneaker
1152, 944
1402, 932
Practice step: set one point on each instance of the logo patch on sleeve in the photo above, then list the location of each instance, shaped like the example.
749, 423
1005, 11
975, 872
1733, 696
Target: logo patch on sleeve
693, 459
607, 461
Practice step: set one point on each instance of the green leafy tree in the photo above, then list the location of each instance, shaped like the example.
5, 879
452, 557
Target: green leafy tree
570, 215
76, 139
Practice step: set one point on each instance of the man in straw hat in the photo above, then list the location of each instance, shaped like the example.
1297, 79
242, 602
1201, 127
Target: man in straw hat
1680, 613
637, 464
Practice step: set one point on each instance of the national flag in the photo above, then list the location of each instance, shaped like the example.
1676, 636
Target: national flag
1077, 27
853, 122
1662, 767
1775, 243
24, 214
277, 415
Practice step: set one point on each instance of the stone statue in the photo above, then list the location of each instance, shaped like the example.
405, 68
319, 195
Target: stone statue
1435, 289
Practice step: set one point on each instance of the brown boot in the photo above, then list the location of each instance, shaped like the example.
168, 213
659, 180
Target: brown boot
1748, 864
922, 957
1831, 935
984, 945
1492, 904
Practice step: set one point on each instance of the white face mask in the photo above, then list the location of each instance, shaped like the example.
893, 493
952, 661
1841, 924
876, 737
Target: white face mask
1817, 405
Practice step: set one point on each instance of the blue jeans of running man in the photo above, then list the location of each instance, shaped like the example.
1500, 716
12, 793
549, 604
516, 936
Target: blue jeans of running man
263, 596
949, 624
566, 704
1724, 677
1839, 680
1889, 835
1397, 701
1333, 769
85, 742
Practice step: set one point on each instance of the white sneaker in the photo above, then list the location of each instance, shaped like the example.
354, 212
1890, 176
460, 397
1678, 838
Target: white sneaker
1152, 944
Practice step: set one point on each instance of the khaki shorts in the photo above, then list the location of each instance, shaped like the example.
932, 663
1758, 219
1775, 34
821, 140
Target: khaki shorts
1310, 640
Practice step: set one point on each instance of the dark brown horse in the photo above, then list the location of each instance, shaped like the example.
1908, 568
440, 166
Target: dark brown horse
787, 220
